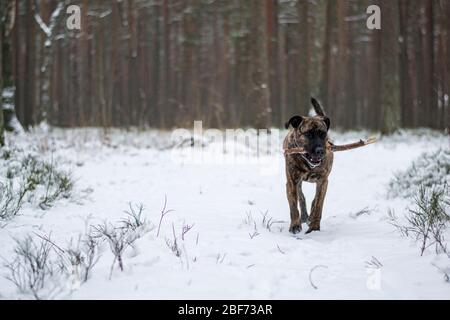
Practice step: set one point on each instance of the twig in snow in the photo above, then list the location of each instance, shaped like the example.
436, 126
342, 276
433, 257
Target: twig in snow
47, 238
255, 231
361, 212
374, 263
163, 214
185, 229
268, 221
444, 271
186, 255
254, 234
310, 274
173, 245
279, 249
248, 218
220, 258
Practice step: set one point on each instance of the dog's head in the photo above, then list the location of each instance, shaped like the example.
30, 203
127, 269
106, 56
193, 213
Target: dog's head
310, 133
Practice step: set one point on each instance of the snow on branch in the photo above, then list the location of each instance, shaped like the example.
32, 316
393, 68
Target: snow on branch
48, 29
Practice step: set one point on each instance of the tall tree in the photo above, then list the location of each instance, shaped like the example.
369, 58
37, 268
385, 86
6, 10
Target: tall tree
230, 63
3, 13
260, 95
304, 57
49, 30
390, 85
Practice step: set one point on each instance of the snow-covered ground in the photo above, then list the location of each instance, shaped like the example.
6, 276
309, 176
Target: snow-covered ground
223, 256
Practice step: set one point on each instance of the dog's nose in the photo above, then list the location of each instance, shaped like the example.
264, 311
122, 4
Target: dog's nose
320, 151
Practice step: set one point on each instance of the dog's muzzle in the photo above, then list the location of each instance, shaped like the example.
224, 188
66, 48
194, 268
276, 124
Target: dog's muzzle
312, 161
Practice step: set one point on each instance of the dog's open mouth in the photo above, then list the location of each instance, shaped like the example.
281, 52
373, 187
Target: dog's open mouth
312, 161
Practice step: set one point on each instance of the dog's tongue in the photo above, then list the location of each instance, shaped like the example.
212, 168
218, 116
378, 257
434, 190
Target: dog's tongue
315, 160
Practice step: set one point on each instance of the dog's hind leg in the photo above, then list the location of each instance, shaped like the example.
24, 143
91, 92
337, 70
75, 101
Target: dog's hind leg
302, 202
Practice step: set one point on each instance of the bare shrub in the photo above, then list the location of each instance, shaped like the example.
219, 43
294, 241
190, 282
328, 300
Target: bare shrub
428, 220
268, 222
26, 177
10, 200
83, 256
136, 221
119, 239
178, 247
430, 170
32, 270
173, 243
57, 183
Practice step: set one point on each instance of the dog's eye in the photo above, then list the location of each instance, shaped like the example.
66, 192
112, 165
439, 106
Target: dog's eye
322, 135
308, 134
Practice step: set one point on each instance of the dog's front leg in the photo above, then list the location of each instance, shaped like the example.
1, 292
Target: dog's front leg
317, 206
291, 192
302, 202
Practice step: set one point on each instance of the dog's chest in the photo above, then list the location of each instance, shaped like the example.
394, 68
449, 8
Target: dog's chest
312, 176
300, 170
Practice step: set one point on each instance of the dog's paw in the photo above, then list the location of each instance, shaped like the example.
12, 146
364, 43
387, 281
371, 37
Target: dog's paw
295, 228
312, 228
305, 219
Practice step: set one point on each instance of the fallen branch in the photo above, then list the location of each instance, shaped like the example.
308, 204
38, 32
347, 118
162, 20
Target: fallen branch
279, 249
333, 147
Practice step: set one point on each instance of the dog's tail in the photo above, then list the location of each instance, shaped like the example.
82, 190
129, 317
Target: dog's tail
317, 107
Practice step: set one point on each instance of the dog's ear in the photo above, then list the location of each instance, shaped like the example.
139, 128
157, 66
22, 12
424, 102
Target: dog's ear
295, 121
327, 122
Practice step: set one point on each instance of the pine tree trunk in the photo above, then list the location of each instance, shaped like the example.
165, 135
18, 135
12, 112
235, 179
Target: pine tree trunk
390, 85
260, 77
2, 127
303, 76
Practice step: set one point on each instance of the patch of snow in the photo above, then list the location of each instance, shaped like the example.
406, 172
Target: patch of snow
219, 257
430, 169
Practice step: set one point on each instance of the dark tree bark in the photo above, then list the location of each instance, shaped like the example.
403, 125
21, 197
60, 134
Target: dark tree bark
260, 95
390, 86
3, 14
230, 63
304, 58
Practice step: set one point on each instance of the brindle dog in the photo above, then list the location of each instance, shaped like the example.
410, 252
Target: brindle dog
310, 133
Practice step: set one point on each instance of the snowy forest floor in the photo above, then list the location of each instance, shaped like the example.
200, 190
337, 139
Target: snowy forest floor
239, 246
